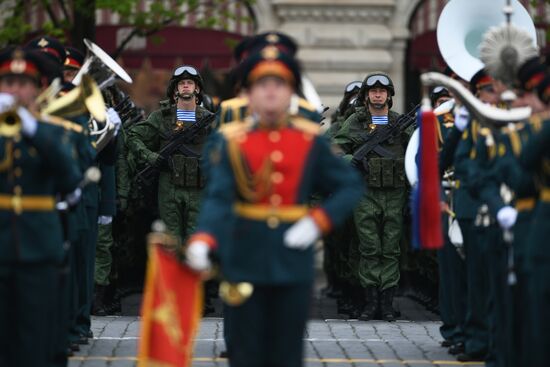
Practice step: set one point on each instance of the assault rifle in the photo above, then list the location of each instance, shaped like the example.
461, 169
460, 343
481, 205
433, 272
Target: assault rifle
177, 143
377, 137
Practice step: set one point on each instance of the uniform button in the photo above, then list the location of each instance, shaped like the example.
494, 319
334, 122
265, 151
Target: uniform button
17, 190
17, 153
276, 156
274, 136
275, 199
273, 222
277, 177
18, 172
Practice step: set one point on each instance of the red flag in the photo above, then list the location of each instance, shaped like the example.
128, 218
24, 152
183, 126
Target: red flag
429, 213
171, 311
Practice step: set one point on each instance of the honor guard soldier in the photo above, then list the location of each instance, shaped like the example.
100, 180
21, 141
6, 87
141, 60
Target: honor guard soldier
262, 172
35, 164
181, 179
452, 276
535, 159
379, 215
341, 256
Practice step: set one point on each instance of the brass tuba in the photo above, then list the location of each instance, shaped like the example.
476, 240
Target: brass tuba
461, 30
105, 71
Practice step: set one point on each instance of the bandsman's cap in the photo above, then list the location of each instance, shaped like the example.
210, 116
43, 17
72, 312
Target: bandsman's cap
280, 40
50, 46
74, 58
27, 63
531, 74
480, 80
270, 61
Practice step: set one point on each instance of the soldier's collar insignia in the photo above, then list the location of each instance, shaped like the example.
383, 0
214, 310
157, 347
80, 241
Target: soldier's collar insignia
43, 42
270, 53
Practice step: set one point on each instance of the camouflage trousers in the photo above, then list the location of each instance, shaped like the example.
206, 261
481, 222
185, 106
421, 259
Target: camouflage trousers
103, 256
179, 209
379, 222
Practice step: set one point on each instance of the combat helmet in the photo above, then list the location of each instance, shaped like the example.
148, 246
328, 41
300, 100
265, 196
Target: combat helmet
184, 72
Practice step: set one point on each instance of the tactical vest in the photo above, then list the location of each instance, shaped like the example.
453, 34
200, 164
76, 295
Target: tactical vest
385, 170
185, 171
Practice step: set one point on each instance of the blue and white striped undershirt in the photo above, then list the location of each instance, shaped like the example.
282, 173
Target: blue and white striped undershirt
380, 120
187, 116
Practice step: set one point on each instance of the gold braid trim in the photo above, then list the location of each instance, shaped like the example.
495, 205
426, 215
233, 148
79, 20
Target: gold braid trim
515, 141
246, 181
58, 121
8, 161
305, 125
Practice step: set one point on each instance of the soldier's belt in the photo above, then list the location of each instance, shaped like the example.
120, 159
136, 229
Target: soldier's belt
273, 215
19, 204
545, 195
525, 204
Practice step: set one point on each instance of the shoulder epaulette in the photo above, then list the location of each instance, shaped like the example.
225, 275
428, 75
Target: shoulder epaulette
236, 102
537, 119
306, 105
306, 125
235, 129
485, 131
65, 124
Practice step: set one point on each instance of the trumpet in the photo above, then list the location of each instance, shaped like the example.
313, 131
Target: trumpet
86, 98
10, 123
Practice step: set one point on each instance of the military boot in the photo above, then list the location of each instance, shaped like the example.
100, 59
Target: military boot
357, 302
371, 305
386, 303
98, 308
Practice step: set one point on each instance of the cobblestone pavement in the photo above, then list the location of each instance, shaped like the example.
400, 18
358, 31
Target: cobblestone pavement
330, 343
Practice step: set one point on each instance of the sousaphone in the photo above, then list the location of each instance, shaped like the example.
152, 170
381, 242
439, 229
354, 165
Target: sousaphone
461, 30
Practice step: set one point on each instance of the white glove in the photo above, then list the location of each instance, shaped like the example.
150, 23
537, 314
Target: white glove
104, 220
28, 122
196, 256
113, 116
462, 118
7, 102
507, 217
74, 197
302, 234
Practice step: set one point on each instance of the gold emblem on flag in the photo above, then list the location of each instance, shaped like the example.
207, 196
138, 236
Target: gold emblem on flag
166, 315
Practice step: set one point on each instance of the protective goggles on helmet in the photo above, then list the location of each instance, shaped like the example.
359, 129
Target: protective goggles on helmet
439, 90
353, 86
378, 79
186, 69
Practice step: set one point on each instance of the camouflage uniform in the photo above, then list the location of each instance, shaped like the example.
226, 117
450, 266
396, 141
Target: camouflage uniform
180, 186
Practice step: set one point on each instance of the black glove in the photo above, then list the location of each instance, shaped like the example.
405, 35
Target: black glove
356, 163
162, 163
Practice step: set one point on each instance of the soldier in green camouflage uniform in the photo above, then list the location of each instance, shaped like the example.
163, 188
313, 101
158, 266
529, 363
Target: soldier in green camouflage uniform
340, 259
180, 180
379, 215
